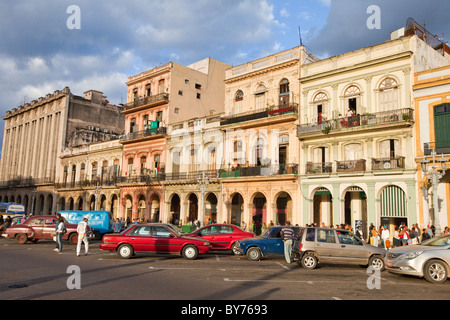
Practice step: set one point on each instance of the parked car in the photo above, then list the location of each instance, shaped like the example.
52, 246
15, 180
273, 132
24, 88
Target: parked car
317, 245
430, 259
266, 245
40, 228
155, 238
222, 236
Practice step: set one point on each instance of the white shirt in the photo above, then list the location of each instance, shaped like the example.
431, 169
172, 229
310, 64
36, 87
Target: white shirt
81, 228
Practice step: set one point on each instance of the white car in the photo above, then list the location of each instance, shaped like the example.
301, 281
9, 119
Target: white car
430, 259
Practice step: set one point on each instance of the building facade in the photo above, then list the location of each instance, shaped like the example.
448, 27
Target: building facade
432, 113
356, 134
157, 98
36, 135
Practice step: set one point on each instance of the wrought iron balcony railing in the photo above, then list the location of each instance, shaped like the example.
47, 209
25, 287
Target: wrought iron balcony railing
154, 100
260, 114
161, 131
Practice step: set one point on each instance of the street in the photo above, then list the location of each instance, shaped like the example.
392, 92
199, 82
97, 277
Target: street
34, 271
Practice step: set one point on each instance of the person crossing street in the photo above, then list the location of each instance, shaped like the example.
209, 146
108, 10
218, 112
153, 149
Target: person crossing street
82, 236
287, 235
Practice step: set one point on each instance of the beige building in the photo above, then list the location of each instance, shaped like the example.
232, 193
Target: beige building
260, 181
35, 136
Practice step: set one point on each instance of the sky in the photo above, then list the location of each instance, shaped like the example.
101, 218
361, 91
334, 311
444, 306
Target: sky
48, 45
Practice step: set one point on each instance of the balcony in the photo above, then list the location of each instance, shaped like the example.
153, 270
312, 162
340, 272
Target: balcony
440, 147
139, 135
146, 102
291, 108
364, 121
388, 163
350, 166
319, 167
256, 171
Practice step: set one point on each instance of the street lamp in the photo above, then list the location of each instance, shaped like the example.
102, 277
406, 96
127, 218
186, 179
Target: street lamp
434, 175
97, 191
203, 184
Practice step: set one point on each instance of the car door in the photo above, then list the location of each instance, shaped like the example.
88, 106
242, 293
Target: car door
326, 244
273, 245
223, 237
164, 240
37, 225
49, 228
352, 249
141, 239
210, 234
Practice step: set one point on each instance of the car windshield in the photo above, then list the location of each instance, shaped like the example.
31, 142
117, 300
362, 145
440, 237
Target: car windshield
438, 241
174, 229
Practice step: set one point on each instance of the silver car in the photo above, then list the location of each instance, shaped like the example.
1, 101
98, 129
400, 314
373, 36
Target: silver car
430, 259
315, 245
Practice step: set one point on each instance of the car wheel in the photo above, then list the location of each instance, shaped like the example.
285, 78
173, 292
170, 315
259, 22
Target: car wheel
309, 261
254, 254
234, 249
190, 252
377, 263
73, 238
435, 271
22, 238
125, 251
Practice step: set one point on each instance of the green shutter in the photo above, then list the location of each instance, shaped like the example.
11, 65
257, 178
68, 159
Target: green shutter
442, 125
393, 202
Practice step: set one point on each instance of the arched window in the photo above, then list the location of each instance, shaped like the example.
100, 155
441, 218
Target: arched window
260, 97
352, 98
388, 95
238, 101
320, 106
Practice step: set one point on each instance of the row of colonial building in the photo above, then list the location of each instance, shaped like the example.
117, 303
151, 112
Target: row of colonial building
285, 137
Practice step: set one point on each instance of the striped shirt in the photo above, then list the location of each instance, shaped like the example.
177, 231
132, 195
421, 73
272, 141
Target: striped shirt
287, 233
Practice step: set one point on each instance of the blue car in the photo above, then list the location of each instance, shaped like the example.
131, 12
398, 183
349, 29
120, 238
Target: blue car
268, 244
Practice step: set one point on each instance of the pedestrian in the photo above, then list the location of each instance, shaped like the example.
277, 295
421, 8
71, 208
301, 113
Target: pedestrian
375, 237
425, 235
385, 237
413, 236
117, 225
287, 235
359, 233
82, 236
60, 231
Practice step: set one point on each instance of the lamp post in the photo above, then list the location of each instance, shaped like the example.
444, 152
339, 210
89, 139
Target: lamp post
203, 184
434, 175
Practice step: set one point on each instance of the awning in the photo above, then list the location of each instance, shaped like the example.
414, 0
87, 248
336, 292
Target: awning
393, 202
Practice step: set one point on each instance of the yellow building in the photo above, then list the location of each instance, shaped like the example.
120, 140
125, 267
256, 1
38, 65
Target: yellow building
432, 114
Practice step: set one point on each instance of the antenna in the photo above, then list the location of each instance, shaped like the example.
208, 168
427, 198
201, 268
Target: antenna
300, 36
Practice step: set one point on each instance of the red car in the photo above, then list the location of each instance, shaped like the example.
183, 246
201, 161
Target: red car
222, 236
40, 227
156, 238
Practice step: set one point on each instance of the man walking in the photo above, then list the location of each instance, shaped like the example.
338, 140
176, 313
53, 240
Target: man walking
287, 235
82, 236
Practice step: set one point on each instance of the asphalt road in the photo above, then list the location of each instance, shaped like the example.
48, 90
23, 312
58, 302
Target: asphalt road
36, 272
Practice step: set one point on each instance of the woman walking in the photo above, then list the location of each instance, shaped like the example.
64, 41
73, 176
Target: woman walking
59, 234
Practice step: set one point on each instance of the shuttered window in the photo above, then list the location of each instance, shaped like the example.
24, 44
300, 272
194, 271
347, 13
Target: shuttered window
393, 202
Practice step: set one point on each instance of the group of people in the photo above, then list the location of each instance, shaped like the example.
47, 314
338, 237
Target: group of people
60, 230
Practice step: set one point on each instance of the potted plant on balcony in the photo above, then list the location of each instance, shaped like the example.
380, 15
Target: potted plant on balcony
326, 130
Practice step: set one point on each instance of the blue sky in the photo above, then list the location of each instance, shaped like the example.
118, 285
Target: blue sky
39, 54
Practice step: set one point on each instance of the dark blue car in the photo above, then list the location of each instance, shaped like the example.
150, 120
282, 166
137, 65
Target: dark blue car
267, 244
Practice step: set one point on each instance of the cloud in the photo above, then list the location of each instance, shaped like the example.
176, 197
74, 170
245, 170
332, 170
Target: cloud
346, 26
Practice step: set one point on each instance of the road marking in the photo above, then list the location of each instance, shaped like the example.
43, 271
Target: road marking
283, 266
164, 268
336, 298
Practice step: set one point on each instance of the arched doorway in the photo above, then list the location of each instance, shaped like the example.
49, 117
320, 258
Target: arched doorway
175, 209
155, 209
211, 208
393, 207
102, 202
322, 207
141, 208
128, 208
355, 208
284, 208
193, 208
237, 204
259, 214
